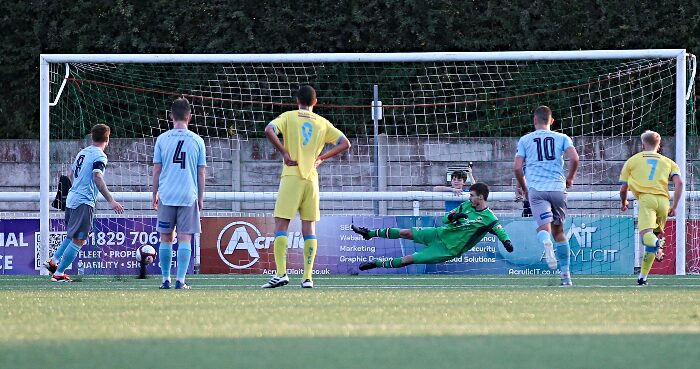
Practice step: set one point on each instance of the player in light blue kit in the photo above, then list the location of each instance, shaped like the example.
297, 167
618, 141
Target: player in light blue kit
179, 160
87, 174
543, 152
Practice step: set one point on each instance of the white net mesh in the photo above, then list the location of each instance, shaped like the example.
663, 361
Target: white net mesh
436, 116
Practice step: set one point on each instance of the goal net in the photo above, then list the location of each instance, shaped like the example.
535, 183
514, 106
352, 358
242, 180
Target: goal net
434, 113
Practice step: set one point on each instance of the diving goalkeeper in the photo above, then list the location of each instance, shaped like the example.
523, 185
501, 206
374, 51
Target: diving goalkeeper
463, 228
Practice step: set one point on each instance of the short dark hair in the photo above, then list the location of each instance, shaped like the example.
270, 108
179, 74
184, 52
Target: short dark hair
306, 95
543, 113
180, 109
459, 174
100, 133
480, 188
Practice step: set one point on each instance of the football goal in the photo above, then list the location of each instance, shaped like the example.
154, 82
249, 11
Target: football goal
412, 118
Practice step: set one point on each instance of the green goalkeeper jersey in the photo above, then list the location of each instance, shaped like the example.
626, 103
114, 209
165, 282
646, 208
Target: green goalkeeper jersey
463, 234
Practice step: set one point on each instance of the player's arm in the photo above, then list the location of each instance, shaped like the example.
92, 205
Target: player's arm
455, 214
342, 146
520, 174
624, 175
623, 196
201, 178
677, 194
201, 173
157, 168
497, 229
271, 134
572, 156
98, 177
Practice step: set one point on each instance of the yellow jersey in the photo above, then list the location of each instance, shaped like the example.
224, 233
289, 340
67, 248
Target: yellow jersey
304, 134
648, 172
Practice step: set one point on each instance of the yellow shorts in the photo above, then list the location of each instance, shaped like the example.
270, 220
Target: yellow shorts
298, 194
653, 211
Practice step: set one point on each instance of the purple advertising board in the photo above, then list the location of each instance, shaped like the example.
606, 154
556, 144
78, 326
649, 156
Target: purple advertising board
110, 248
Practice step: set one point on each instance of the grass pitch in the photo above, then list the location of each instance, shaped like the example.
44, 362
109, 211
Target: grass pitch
351, 322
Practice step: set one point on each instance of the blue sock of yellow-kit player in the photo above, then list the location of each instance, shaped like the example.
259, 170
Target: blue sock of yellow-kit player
280, 249
650, 244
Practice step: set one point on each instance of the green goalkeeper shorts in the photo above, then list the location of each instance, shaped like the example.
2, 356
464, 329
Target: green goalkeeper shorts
435, 251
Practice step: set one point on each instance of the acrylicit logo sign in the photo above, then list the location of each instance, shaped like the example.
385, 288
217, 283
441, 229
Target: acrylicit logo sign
238, 244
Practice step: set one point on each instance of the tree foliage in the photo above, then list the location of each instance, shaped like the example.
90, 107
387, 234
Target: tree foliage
263, 26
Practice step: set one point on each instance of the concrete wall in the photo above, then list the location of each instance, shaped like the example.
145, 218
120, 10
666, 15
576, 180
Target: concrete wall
412, 164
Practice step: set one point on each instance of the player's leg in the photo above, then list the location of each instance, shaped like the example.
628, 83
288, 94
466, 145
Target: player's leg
647, 222
289, 198
308, 230
391, 233
52, 264
188, 224
167, 216
435, 252
542, 212
561, 243
280, 251
184, 254
77, 230
661, 216
310, 213
388, 262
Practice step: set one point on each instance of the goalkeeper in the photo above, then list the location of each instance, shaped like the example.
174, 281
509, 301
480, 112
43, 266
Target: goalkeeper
463, 228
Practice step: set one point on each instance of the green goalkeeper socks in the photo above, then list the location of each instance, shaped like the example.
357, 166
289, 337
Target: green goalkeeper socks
385, 233
390, 263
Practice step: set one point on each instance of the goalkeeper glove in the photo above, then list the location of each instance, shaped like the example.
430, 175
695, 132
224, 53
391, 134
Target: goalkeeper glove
508, 245
454, 216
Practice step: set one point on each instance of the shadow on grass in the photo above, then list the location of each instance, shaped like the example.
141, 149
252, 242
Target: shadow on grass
536, 351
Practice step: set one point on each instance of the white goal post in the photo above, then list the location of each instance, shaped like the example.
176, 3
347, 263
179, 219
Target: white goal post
680, 116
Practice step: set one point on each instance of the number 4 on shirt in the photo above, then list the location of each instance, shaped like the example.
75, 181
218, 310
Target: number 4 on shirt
180, 156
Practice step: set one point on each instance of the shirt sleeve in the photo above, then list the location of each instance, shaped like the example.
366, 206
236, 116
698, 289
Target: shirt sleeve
99, 164
567, 143
458, 209
498, 230
675, 170
202, 162
156, 153
279, 124
625, 173
521, 148
333, 135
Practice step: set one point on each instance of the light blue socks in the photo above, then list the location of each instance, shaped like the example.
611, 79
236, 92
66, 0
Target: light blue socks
184, 252
61, 249
165, 260
563, 256
543, 236
69, 254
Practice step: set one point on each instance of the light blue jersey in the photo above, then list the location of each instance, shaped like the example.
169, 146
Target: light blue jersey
543, 151
84, 190
180, 152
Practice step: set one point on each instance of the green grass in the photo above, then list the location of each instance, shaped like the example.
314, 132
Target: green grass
351, 322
